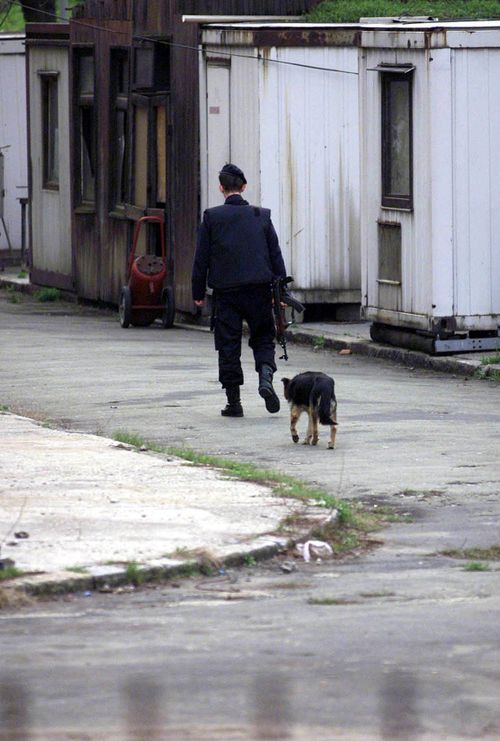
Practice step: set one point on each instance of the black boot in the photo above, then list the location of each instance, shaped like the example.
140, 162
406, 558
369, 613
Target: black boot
233, 407
266, 389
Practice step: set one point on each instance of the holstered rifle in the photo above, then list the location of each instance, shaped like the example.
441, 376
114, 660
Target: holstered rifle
281, 299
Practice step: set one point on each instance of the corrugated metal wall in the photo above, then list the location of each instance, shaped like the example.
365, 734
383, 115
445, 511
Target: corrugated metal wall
310, 167
476, 180
245, 7
294, 131
13, 136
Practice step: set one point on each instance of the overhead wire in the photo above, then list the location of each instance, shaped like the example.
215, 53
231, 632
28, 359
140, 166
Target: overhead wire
176, 44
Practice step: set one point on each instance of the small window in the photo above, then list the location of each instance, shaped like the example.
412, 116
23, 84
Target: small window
50, 130
389, 254
85, 138
397, 141
119, 76
152, 66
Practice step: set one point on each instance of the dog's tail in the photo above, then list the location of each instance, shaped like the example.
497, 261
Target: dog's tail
323, 398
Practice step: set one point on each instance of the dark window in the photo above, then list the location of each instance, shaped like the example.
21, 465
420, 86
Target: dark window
50, 130
152, 66
85, 138
397, 164
119, 75
389, 253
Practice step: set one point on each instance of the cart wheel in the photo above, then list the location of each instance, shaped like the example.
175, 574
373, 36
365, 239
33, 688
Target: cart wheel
168, 316
125, 307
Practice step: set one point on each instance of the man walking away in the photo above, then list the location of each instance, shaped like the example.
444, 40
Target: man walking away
238, 255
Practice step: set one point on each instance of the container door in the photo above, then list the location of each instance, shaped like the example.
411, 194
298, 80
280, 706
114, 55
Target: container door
218, 126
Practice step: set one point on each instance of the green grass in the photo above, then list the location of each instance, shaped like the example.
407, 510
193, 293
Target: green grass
475, 554
134, 574
13, 296
491, 360
319, 343
327, 601
347, 533
47, 294
476, 566
10, 573
77, 569
14, 21
350, 11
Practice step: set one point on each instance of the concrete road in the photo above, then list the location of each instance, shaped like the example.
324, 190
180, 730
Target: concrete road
400, 643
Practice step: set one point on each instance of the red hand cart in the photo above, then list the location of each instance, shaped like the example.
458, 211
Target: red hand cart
146, 297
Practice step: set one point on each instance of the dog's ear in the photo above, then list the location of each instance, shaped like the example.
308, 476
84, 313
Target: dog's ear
285, 381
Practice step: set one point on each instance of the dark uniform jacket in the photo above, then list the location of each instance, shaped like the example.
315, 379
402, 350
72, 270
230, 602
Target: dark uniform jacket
237, 247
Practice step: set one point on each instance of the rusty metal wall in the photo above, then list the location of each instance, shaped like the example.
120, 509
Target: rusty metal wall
246, 7
100, 241
119, 10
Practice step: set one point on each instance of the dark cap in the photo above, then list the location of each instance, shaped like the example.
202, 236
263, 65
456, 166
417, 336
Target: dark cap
230, 169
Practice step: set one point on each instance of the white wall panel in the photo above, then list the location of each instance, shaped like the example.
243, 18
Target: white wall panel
476, 128
13, 137
50, 209
310, 153
451, 239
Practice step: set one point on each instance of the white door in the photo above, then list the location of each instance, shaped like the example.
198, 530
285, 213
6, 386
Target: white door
218, 127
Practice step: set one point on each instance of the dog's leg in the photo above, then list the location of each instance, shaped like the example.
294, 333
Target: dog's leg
333, 428
314, 428
294, 418
309, 434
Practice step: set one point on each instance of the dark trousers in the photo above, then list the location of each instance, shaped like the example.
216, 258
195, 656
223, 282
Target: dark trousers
254, 305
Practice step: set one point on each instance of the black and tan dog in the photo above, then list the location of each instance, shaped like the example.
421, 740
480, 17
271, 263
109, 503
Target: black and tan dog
313, 393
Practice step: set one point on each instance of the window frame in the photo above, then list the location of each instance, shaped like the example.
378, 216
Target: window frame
49, 81
395, 200
84, 101
119, 102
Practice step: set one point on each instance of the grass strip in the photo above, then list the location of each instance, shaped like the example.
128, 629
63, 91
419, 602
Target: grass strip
350, 11
347, 532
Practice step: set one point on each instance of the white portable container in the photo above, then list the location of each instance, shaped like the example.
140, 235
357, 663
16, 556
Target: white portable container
286, 112
430, 124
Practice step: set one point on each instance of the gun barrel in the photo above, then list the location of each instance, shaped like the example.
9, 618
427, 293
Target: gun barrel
290, 301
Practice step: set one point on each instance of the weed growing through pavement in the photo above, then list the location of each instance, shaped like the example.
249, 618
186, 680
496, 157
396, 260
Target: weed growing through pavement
330, 601
13, 296
22, 274
133, 574
476, 566
77, 569
249, 560
319, 343
487, 374
475, 554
